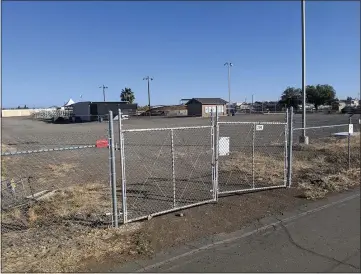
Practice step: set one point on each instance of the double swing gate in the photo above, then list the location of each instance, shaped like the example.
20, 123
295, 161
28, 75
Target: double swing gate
159, 170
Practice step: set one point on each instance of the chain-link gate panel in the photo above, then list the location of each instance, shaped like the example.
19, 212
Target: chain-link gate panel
251, 156
166, 169
235, 151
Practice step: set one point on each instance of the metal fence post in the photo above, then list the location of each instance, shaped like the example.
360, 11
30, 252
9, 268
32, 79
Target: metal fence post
290, 147
112, 169
216, 148
286, 129
122, 168
349, 143
173, 167
213, 155
253, 143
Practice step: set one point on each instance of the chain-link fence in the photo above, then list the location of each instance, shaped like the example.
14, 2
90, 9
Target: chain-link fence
252, 156
166, 169
54, 177
329, 160
76, 172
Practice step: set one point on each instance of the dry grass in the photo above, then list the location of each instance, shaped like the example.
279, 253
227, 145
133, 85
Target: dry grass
89, 202
53, 237
318, 168
267, 168
66, 248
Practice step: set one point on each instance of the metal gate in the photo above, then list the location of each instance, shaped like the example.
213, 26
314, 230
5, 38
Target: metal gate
251, 156
165, 169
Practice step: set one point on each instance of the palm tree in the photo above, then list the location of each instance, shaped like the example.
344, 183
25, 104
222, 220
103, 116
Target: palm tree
127, 95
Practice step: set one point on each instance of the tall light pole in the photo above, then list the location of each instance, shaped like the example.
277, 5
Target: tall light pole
252, 103
304, 138
148, 79
229, 65
103, 87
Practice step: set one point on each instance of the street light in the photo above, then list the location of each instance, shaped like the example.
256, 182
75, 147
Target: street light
229, 65
303, 138
148, 79
103, 87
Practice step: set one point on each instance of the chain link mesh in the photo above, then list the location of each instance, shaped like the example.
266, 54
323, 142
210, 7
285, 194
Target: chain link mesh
52, 175
330, 161
166, 169
251, 156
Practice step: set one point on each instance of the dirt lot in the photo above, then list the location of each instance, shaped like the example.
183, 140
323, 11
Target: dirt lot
68, 231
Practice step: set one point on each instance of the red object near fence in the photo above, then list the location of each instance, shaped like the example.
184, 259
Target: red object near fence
102, 143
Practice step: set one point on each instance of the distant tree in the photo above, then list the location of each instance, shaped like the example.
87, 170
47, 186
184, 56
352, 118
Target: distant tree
127, 95
25, 107
320, 94
291, 97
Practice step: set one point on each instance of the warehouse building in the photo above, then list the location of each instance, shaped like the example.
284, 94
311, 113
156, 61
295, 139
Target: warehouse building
203, 107
91, 111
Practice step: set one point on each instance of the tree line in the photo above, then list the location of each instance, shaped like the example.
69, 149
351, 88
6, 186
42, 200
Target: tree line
317, 95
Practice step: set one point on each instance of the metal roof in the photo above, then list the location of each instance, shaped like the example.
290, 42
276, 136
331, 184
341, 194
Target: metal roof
208, 101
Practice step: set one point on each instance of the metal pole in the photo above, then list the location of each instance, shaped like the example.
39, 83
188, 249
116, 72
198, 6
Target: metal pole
229, 90
150, 113
286, 148
229, 65
253, 143
103, 87
173, 167
290, 144
213, 155
216, 155
303, 15
252, 105
122, 170
349, 143
112, 167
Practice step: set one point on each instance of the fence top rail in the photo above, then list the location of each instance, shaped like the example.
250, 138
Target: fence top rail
164, 128
255, 123
317, 127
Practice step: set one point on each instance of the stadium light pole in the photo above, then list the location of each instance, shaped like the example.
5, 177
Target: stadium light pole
148, 79
303, 138
229, 65
103, 87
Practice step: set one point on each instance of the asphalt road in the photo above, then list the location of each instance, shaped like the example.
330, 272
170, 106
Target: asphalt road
323, 236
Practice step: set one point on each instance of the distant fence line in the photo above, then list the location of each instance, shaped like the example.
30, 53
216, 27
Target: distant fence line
23, 112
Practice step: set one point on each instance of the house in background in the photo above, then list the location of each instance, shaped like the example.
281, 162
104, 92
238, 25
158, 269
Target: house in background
203, 107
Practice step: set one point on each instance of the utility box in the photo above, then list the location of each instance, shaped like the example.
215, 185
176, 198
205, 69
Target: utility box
223, 146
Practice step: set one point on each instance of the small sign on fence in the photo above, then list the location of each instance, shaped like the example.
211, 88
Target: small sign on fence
259, 127
223, 146
350, 128
102, 143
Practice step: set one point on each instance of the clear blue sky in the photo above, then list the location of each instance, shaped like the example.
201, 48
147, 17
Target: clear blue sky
53, 51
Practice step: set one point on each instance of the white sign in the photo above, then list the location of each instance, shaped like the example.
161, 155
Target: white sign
259, 127
223, 146
350, 128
